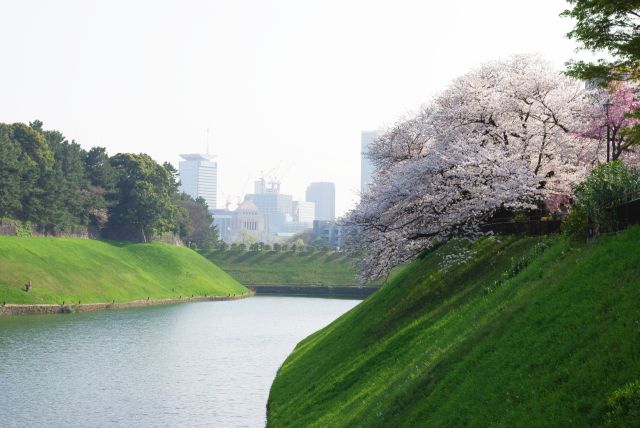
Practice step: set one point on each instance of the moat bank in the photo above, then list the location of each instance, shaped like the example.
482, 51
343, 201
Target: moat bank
286, 267
66, 308
527, 332
63, 271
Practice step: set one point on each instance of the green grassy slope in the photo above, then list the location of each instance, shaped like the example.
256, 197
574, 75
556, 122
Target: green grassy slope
284, 268
66, 269
547, 347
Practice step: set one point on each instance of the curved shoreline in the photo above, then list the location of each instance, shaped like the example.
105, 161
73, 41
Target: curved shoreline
313, 290
37, 309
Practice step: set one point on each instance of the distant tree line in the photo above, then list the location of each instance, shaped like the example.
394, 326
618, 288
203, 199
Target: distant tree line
50, 181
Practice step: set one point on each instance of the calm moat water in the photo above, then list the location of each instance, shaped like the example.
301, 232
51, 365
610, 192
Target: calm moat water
196, 364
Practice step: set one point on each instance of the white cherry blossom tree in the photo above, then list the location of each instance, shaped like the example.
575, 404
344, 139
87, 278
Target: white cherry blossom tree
501, 136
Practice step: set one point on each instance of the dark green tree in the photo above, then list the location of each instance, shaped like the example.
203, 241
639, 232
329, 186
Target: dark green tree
43, 176
145, 205
99, 170
12, 170
66, 184
102, 186
185, 225
175, 176
200, 230
38, 160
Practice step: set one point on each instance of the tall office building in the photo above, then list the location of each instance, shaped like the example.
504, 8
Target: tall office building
323, 194
199, 177
366, 167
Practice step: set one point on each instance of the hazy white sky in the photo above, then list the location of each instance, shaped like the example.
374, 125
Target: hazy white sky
284, 84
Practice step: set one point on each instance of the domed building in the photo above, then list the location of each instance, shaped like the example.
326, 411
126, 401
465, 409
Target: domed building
247, 217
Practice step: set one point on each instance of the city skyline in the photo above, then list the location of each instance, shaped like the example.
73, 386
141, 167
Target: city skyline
269, 215
265, 77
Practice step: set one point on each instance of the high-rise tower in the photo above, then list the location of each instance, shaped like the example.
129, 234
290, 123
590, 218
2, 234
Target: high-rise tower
366, 167
323, 194
199, 177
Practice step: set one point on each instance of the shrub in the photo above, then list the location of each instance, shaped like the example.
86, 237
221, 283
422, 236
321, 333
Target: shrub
24, 230
521, 217
624, 406
598, 197
576, 224
20, 228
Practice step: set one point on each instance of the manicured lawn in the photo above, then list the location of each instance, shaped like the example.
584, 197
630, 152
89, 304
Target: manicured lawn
271, 267
495, 342
66, 269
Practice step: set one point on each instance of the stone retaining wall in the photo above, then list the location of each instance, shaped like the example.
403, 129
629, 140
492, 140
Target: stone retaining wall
14, 309
305, 290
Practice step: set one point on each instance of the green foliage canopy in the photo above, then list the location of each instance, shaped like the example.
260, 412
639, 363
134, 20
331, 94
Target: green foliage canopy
196, 224
55, 183
609, 26
144, 205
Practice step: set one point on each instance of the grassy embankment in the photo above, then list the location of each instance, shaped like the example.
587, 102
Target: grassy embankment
67, 269
550, 344
285, 268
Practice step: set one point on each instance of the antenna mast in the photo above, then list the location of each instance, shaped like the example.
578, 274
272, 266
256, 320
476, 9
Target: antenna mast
207, 141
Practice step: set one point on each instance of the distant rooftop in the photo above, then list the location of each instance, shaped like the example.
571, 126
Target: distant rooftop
247, 205
197, 157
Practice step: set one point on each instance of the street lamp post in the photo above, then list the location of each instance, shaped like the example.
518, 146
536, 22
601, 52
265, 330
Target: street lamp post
608, 104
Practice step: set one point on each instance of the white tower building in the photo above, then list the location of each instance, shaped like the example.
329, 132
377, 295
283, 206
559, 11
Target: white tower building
199, 177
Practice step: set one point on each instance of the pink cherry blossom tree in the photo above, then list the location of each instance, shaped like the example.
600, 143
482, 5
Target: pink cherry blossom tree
608, 115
